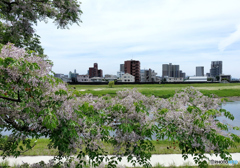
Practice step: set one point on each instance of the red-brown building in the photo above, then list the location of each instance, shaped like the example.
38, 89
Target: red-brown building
133, 67
94, 71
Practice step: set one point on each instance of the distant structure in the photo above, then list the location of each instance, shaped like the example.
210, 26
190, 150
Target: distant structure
128, 78
169, 70
216, 68
83, 78
223, 77
197, 79
121, 67
148, 75
73, 76
200, 71
121, 72
58, 75
109, 77
94, 71
62, 77
132, 67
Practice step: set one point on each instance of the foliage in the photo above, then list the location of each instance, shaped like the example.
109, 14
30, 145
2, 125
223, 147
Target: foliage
17, 18
35, 104
225, 79
111, 84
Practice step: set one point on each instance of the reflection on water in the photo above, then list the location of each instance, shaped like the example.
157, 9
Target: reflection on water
233, 107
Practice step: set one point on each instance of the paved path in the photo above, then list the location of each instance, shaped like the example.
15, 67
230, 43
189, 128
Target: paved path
166, 160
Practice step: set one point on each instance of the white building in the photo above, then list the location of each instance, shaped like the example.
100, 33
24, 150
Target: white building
83, 78
174, 79
128, 78
197, 79
120, 74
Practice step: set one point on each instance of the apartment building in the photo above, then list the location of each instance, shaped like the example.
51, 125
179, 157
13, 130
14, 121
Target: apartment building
132, 67
94, 71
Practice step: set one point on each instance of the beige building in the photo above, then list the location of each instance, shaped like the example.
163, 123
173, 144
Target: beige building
83, 78
128, 78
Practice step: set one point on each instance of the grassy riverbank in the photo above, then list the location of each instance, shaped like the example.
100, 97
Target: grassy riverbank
162, 90
161, 147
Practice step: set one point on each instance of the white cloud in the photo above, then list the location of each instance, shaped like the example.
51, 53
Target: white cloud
232, 38
182, 32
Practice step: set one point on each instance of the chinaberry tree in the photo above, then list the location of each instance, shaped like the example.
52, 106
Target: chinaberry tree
17, 18
35, 104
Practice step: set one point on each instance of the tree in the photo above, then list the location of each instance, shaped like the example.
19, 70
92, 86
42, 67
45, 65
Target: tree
35, 104
111, 84
17, 18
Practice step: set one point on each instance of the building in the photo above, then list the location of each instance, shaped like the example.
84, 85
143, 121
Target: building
121, 67
83, 78
58, 75
109, 77
94, 71
148, 75
133, 67
199, 71
120, 73
208, 74
128, 78
97, 79
216, 68
173, 79
63, 77
225, 77
197, 79
169, 70
73, 76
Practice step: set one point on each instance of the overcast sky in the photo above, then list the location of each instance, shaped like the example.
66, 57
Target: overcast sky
188, 33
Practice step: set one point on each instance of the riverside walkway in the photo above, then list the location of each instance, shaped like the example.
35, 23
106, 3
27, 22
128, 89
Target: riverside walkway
164, 160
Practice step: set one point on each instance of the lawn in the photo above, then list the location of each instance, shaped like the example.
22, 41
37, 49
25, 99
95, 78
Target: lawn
161, 147
162, 90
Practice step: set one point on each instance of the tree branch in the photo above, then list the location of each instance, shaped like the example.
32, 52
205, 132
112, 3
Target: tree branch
11, 99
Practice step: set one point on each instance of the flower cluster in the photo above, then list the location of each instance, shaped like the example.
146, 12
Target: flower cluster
35, 104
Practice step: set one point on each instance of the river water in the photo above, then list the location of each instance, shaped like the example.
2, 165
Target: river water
233, 107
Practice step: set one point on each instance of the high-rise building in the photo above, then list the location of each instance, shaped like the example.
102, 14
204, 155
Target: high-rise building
133, 67
171, 71
94, 71
216, 68
121, 67
199, 71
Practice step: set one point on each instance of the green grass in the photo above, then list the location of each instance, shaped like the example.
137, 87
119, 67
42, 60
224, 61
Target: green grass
162, 90
161, 147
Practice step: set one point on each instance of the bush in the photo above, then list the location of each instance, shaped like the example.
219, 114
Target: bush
111, 84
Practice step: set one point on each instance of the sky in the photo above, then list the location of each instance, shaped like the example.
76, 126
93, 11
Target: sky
188, 33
